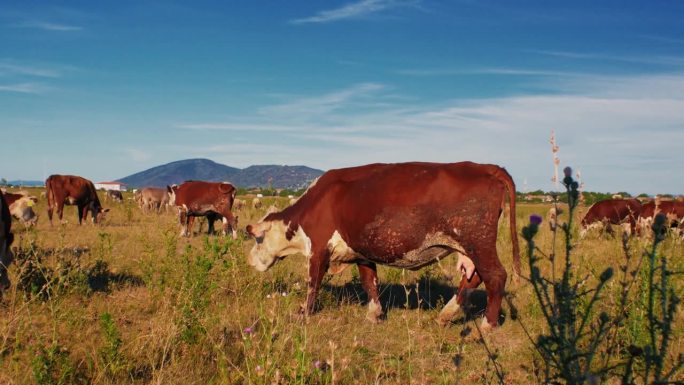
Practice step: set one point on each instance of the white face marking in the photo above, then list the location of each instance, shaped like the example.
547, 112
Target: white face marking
271, 243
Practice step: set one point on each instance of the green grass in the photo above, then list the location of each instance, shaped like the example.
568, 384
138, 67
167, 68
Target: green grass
130, 302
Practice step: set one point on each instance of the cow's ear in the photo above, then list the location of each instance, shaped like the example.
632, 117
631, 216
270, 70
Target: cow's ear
168, 188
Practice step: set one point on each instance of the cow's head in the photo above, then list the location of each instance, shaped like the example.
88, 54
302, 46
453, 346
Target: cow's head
230, 224
99, 213
171, 191
275, 240
22, 209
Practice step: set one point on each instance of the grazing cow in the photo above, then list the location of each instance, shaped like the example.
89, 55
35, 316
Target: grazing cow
239, 204
153, 198
73, 190
405, 215
673, 210
114, 195
6, 238
210, 199
611, 211
256, 203
21, 207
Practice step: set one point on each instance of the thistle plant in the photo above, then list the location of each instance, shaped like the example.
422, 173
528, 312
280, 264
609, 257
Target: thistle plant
576, 332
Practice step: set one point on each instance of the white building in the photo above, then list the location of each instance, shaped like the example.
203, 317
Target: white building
116, 186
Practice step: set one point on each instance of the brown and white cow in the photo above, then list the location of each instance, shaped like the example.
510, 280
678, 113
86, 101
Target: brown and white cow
673, 211
211, 199
6, 238
73, 190
405, 215
611, 212
153, 198
21, 207
114, 195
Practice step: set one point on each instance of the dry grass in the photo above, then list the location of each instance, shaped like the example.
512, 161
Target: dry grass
190, 311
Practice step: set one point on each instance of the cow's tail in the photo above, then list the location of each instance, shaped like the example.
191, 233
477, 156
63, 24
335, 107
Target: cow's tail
505, 178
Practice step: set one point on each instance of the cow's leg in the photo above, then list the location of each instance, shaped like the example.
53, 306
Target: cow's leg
494, 277
189, 227
318, 265
369, 280
459, 299
81, 211
49, 211
183, 220
210, 224
60, 211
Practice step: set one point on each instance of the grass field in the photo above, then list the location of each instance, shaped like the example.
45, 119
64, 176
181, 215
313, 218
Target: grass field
128, 301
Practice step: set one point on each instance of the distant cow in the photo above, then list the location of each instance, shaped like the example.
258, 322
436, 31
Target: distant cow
73, 190
21, 207
256, 203
611, 212
6, 238
153, 198
239, 204
210, 199
114, 195
673, 210
405, 215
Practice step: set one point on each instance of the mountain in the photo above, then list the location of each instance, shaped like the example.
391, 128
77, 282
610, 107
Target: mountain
180, 171
294, 177
205, 169
27, 183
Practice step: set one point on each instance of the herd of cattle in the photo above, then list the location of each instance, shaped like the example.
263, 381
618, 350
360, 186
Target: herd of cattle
406, 215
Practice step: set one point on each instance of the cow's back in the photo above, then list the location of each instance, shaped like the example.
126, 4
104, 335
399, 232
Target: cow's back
71, 186
201, 193
392, 208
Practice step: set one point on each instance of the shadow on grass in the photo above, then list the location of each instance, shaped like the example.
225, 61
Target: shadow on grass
432, 294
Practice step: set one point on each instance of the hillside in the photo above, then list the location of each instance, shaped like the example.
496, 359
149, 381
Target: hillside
205, 169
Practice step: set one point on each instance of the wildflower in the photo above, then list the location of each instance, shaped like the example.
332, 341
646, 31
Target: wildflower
567, 172
248, 330
535, 219
284, 294
320, 365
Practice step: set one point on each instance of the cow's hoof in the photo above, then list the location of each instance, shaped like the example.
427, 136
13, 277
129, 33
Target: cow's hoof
374, 314
448, 312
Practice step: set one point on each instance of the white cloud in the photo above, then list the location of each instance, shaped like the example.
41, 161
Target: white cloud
355, 10
624, 133
23, 88
48, 26
137, 154
482, 71
9, 67
323, 104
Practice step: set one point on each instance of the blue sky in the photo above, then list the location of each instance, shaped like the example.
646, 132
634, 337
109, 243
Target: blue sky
108, 88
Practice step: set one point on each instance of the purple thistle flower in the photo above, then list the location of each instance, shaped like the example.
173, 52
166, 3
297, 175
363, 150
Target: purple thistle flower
248, 330
567, 172
535, 219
